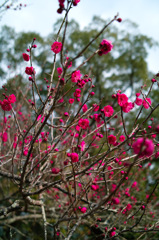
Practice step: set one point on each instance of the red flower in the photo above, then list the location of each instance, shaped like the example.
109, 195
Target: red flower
105, 47
96, 107
5, 137
83, 209
12, 98
56, 47
29, 70
111, 139
82, 146
122, 138
77, 93
128, 207
5, 105
116, 201
119, 19
134, 184
94, 187
55, 170
127, 107
61, 1
59, 10
83, 123
76, 76
71, 100
59, 70
138, 101
122, 99
74, 157
143, 147
68, 64
75, 2
108, 111
25, 152
26, 57
84, 108
145, 104
112, 233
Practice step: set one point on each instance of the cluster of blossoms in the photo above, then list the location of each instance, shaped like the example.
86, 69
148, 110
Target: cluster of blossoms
6, 103
82, 209
83, 123
62, 6
29, 70
139, 101
67, 64
77, 94
123, 103
76, 78
128, 106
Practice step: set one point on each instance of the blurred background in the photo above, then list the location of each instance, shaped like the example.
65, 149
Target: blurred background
40, 15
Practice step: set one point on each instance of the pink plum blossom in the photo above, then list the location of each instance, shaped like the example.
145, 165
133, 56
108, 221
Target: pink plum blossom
83, 123
76, 76
108, 111
122, 99
56, 47
145, 103
26, 57
105, 47
143, 147
74, 157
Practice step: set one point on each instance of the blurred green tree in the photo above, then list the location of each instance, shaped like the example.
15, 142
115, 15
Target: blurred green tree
124, 68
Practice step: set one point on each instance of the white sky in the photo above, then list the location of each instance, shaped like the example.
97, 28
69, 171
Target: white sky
40, 15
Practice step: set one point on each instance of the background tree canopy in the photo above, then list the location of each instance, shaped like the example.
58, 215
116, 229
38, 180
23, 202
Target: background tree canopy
125, 66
